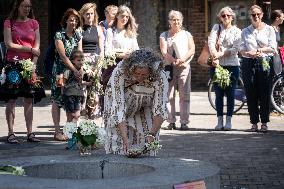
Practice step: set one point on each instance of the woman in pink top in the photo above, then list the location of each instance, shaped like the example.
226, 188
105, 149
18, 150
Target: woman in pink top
21, 36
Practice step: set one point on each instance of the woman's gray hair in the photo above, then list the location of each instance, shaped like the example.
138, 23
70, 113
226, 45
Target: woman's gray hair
230, 10
144, 58
173, 13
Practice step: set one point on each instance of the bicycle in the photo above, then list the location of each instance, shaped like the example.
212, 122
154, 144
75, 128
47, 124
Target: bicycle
277, 93
240, 98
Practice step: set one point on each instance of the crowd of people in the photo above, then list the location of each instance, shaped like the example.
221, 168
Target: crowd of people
140, 86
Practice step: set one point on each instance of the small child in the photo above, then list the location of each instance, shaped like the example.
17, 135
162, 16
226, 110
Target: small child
73, 89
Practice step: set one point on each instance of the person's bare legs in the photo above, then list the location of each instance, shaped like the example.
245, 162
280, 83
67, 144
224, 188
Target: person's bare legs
10, 115
28, 112
55, 111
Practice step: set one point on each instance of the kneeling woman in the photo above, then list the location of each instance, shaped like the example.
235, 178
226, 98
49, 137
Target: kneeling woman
135, 102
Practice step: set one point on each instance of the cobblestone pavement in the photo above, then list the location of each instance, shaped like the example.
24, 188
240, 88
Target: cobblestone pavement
247, 160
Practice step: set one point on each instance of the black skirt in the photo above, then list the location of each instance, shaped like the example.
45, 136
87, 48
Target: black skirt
15, 86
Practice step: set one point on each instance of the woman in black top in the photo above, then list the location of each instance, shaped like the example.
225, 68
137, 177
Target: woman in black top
93, 48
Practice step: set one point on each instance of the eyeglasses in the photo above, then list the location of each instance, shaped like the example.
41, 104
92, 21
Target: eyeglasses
226, 15
257, 14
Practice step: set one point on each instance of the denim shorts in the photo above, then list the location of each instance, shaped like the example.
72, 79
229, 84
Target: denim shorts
72, 103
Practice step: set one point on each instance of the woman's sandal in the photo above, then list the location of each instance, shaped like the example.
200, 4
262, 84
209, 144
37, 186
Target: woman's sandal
263, 128
253, 128
12, 139
59, 136
32, 138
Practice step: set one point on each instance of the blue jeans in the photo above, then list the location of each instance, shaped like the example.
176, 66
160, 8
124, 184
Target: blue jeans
257, 82
228, 91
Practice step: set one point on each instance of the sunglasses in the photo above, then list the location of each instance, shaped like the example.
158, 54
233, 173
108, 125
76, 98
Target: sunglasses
257, 14
226, 15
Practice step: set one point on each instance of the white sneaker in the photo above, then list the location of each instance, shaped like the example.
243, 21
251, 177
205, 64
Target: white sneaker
228, 124
219, 125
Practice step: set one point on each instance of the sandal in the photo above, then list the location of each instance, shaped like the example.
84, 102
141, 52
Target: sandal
263, 128
59, 136
253, 128
32, 138
12, 139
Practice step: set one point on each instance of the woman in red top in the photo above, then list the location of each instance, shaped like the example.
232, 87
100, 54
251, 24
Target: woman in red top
21, 36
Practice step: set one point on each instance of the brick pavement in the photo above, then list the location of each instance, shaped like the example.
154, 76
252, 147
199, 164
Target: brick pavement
247, 160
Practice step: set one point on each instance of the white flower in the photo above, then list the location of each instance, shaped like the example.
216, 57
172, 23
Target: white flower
87, 127
101, 139
69, 129
153, 146
2, 77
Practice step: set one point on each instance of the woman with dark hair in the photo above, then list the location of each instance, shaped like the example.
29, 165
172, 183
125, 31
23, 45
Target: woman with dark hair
67, 40
277, 17
257, 48
135, 101
22, 38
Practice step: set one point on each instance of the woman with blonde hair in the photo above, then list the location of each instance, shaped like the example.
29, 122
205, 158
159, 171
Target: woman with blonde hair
177, 47
121, 39
257, 48
224, 41
93, 48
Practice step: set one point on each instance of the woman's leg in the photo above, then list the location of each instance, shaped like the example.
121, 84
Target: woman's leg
249, 78
55, 111
10, 115
171, 103
28, 112
184, 88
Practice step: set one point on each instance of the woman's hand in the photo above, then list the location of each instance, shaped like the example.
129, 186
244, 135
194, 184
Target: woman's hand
150, 138
215, 62
35, 51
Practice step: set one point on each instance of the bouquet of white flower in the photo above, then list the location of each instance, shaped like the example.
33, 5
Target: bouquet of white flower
12, 170
28, 68
87, 132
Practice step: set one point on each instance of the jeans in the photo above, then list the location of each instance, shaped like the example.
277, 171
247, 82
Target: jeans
257, 82
228, 91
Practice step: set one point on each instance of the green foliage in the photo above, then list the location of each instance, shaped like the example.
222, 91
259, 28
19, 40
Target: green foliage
222, 77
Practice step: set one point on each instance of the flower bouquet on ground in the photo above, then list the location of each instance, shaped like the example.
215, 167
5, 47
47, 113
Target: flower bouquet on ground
12, 170
222, 77
87, 134
136, 151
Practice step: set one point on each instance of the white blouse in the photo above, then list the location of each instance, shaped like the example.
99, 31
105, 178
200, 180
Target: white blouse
116, 41
252, 39
230, 40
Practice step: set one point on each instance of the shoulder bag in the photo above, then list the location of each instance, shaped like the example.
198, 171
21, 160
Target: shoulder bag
204, 58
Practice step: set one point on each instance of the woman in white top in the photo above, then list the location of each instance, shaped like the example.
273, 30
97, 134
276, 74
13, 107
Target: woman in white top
224, 41
177, 47
121, 39
257, 48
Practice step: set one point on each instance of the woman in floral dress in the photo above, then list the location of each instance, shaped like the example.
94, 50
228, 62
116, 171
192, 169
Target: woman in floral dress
67, 40
135, 102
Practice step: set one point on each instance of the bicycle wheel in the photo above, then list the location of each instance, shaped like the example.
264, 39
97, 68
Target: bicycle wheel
240, 97
277, 94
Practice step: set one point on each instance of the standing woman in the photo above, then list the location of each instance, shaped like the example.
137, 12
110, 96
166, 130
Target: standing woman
121, 39
277, 17
257, 48
21, 36
93, 48
171, 45
225, 53
67, 40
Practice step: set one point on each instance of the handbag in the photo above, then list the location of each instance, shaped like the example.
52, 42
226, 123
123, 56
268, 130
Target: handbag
205, 58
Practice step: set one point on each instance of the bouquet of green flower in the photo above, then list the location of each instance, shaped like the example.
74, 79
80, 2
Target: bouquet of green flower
28, 68
265, 64
222, 77
136, 151
86, 132
12, 170
29, 73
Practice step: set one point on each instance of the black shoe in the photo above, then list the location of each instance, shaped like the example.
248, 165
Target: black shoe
184, 127
170, 127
